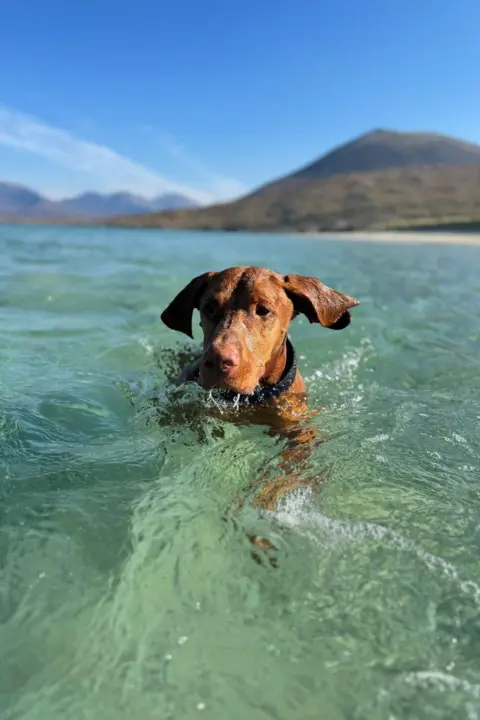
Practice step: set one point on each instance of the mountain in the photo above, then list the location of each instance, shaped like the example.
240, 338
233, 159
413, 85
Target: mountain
14, 196
381, 179
95, 205
386, 149
18, 201
172, 201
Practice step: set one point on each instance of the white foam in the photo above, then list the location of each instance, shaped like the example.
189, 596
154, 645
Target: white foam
379, 438
147, 345
443, 681
296, 512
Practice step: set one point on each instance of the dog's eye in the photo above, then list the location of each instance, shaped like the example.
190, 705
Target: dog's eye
262, 311
210, 308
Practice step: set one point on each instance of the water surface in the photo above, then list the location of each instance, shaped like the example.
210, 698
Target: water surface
124, 593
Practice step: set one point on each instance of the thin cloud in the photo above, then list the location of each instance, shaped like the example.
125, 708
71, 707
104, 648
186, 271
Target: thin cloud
221, 187
107, 170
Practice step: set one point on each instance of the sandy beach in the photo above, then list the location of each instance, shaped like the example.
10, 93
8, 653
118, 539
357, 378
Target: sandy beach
432, 238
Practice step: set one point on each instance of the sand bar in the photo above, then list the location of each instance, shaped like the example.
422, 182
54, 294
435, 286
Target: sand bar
432, 238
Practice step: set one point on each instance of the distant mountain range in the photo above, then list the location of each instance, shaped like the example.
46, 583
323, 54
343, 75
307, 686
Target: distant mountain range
383, 179
17, 201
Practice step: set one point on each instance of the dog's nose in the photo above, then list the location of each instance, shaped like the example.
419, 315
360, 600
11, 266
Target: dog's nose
225, 358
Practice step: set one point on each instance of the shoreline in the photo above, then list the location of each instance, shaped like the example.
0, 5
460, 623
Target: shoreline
400, 236
424, 236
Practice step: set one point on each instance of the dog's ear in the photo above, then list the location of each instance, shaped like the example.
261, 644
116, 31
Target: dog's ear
318, 302
178, 315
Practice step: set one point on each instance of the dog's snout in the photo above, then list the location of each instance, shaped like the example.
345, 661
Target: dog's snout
224, 358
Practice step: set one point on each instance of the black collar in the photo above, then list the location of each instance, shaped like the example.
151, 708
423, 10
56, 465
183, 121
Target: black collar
263, 392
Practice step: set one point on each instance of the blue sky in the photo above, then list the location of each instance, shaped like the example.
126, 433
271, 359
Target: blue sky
215, 97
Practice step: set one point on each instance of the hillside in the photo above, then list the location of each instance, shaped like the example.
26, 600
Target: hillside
96, 205
387, 149
17, 201
381, 179
13, 197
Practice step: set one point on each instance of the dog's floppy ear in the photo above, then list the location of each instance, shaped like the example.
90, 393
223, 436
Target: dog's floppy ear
178, 315
318, 302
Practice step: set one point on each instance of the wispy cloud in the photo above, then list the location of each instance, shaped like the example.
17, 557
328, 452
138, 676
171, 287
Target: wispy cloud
107, 170
221, 186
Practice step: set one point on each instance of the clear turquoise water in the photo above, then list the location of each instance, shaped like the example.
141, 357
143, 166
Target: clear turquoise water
124, 594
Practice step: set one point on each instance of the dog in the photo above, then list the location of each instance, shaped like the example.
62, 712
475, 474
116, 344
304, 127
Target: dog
245, 314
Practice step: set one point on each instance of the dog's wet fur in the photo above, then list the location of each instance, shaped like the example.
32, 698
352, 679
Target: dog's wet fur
245, 314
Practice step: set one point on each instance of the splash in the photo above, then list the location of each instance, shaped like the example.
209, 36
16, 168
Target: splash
296, 511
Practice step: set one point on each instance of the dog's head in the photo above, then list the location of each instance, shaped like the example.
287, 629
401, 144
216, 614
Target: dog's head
244, 314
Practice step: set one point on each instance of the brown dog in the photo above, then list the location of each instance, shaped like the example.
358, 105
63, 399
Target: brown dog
245, 313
